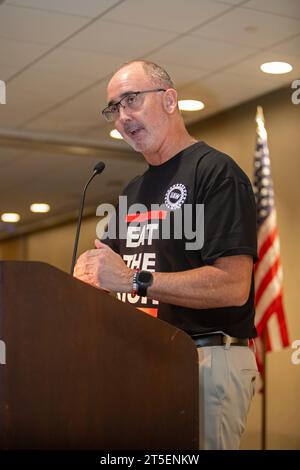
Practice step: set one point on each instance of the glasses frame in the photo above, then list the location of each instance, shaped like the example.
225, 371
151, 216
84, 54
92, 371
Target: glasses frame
106, 110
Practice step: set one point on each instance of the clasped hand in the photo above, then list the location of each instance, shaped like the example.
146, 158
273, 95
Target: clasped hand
104, 269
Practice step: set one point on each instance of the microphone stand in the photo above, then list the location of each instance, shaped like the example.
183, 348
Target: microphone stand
97, 170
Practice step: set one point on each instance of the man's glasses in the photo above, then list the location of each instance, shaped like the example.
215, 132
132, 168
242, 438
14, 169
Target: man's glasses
131, 101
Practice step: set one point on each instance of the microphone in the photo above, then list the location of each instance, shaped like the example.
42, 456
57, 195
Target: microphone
97, 170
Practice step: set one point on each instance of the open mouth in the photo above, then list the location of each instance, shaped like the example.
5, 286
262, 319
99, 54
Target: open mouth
132, 130
135, 132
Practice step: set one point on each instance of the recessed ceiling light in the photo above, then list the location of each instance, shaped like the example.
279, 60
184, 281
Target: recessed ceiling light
115, 134
190, 105
276, 67
40, 208
10, 217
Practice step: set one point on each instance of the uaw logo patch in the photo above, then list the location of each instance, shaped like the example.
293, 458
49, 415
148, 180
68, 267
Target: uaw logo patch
175, 196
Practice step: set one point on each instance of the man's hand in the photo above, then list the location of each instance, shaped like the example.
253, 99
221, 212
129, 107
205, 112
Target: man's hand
104, 269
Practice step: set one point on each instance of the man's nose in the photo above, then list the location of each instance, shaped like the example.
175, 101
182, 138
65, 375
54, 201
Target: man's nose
123, 113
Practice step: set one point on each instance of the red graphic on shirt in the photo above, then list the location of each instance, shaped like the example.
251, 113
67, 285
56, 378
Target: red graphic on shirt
143, 216
149, 311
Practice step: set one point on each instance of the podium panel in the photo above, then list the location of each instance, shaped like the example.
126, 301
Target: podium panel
86, 371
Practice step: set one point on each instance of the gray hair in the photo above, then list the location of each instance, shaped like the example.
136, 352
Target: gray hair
155, 72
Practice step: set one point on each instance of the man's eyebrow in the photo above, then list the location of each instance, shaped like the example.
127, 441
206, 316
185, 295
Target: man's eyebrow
126, 93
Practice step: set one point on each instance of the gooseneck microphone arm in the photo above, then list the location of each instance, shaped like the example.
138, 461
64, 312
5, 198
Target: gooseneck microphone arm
97, 170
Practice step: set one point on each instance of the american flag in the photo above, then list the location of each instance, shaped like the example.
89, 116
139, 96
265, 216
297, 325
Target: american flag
270, 316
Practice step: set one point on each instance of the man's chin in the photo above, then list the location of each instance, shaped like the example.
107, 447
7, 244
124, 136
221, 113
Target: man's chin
137, 145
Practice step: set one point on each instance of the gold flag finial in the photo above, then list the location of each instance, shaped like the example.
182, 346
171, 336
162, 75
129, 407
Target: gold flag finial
259, 114
260, 122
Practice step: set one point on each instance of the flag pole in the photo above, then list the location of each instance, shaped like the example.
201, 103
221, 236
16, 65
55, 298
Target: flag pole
264, 392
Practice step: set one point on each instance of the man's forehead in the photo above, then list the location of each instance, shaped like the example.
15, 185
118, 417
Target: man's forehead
129, 78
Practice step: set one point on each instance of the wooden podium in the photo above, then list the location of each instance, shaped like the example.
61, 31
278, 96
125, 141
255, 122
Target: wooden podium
86, 371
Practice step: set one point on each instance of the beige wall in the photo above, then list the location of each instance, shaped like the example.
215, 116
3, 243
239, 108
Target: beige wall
232, 132
55, 246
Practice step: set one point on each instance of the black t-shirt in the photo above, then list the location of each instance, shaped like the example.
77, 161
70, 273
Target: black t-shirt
161, 236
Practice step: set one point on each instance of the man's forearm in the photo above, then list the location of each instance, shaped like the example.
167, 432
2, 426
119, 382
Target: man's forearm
205, 287
225, 283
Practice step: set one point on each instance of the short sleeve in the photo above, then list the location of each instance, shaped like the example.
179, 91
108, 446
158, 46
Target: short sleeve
229, 220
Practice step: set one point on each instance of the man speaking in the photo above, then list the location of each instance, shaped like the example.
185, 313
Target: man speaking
206, 290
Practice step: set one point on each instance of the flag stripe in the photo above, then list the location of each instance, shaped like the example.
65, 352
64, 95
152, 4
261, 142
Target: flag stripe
270, 310
270, 239
271, 292
264, 264
264, 230
282, 324
267, 279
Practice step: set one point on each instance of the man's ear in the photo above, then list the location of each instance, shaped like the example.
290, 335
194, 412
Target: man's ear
170, 100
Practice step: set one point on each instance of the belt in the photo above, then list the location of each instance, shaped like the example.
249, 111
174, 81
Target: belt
219, 340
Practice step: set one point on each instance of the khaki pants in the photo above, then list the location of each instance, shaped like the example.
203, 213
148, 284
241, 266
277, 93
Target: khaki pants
227, 386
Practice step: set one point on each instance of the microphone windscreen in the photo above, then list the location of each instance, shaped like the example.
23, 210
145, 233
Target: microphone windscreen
99, 167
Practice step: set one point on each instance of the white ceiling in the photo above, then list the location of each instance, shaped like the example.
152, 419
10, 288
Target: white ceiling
57, 55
